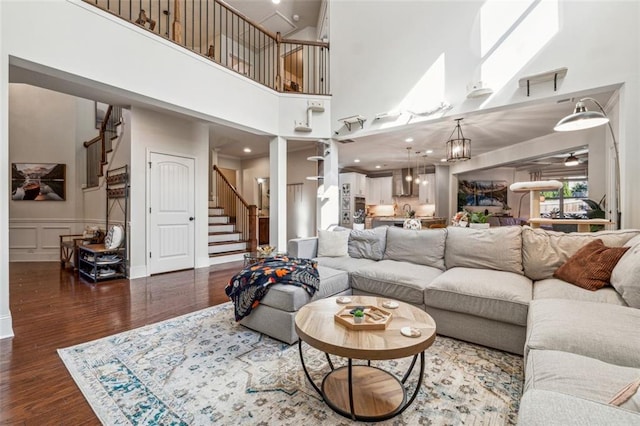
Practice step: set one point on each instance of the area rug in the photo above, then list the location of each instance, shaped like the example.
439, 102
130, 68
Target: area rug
203, 368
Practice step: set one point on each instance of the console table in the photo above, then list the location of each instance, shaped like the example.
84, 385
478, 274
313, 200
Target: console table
584, 225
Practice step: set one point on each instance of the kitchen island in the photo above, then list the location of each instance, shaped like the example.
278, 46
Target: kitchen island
399, 221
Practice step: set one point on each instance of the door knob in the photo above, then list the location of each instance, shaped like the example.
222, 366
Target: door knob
191, 218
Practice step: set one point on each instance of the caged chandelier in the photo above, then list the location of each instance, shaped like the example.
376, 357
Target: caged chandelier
458, 148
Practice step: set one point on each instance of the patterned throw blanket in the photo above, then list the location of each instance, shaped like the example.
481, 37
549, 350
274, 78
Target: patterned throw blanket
248, 287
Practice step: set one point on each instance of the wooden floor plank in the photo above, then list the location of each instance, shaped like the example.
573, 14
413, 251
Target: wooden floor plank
52, 308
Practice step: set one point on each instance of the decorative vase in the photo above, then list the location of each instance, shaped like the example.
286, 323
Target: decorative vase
479, 225
358, 226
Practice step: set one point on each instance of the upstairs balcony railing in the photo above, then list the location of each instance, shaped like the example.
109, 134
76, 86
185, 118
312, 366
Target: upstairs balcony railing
214, 30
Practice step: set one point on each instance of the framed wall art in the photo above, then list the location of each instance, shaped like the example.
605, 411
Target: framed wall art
482, 193
38, 181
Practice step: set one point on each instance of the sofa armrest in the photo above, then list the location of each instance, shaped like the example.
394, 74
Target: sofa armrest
306, 248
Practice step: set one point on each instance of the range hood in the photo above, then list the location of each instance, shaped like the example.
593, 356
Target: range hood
401, 187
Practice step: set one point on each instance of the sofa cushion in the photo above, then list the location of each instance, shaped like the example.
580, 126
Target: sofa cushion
290, 298
547, 408
580, 376
497, 295
424, 247
494, 248
625, 277
544, 251
368, 243
333, 243
554, 288
603, 331
591, 266
344, 263
403, 281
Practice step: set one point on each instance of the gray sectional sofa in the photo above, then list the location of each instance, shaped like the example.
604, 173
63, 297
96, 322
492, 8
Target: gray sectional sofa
496, 288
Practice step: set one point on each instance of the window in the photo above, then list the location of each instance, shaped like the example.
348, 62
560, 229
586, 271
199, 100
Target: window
567, 201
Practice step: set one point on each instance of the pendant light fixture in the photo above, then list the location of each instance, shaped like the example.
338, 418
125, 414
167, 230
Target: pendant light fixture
409, 178
458, 148
417, 179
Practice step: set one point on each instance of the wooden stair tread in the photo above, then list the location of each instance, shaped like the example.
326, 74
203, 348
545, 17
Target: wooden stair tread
226, 253
220, 243
225, 233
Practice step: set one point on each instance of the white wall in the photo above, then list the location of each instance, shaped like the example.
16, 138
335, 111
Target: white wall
301, 217
301, 200
418, 38
47, 127
155, 132
251, 170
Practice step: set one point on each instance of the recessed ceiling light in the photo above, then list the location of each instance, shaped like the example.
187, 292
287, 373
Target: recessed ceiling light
378, 166
408, 140
247, 150
357, 160
429, 151
443, 160
275, 1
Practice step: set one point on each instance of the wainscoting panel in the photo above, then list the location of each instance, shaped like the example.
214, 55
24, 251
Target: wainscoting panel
50, 236
37, 240
23, 237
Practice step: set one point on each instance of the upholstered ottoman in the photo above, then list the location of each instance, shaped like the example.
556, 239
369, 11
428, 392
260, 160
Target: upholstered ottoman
277, 310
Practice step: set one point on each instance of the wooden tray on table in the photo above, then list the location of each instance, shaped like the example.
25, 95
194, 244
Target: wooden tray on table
375, 318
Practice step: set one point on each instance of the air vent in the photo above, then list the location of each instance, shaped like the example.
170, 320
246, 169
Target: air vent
347, 141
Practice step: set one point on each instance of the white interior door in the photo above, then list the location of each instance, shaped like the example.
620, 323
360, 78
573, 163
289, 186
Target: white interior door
171, 213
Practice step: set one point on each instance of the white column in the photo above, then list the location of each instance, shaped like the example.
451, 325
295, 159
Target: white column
6, 329
445, 199
278, 193
328, 205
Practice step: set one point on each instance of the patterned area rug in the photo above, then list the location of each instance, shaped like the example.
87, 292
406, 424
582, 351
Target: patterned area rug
203, 368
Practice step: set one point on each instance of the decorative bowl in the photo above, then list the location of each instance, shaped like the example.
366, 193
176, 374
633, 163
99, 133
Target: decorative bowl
265, 250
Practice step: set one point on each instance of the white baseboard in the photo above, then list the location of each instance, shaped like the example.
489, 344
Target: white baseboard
6, 326
138, 272
34, 257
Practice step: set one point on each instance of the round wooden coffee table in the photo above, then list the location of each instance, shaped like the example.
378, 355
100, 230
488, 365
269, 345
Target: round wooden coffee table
363, 392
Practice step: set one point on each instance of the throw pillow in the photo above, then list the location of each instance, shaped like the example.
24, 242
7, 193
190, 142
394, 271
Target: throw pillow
424, 247
368, 243
332, 243
591, 266
624, 277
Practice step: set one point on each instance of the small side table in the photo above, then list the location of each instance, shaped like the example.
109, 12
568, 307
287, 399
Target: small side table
254, 256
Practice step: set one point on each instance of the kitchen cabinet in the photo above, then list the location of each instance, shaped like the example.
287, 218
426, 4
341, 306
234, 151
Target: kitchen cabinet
380, 190
358, 183
427, 193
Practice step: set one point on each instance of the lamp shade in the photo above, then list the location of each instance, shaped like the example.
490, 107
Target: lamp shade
581, 119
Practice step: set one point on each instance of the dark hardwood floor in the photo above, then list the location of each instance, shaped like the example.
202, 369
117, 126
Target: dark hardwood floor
53, 308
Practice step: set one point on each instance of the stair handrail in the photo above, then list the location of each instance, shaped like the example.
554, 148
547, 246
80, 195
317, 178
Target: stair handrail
248, 219
233, 188
226, 30
103, 143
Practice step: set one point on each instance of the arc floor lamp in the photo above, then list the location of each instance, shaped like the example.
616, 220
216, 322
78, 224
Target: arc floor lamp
585, 119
